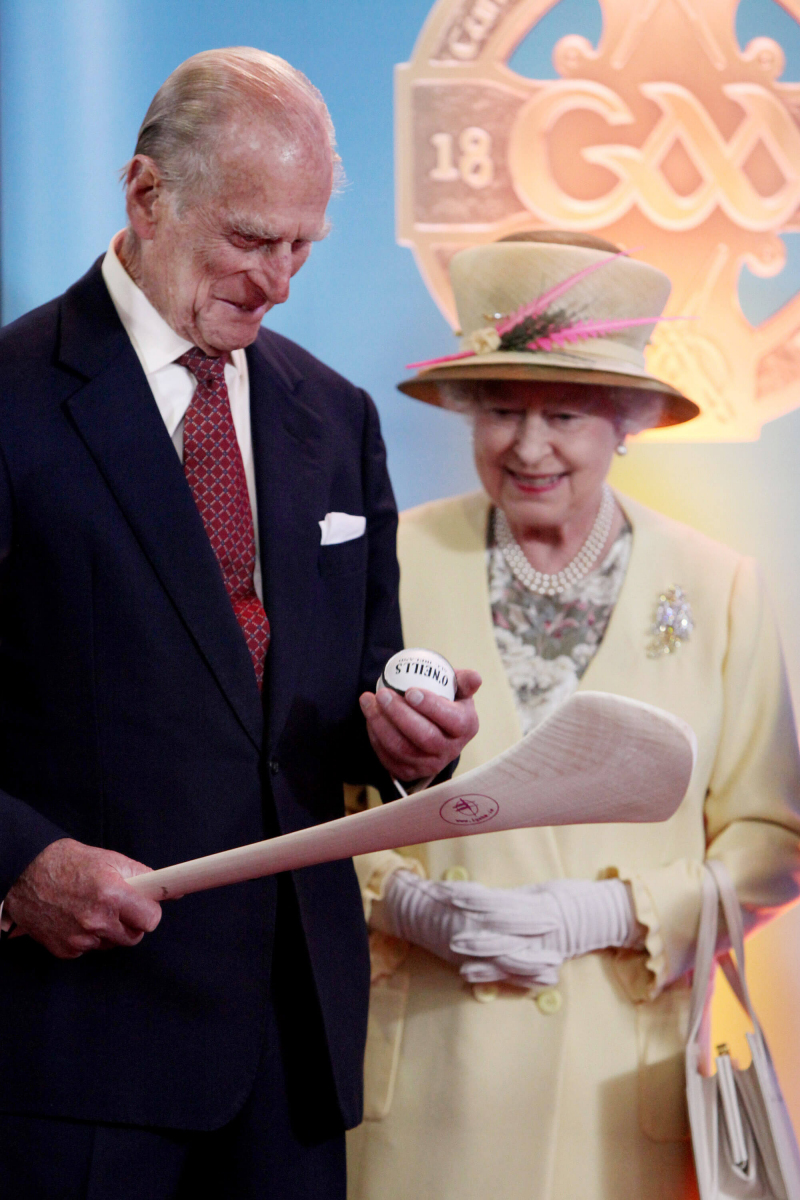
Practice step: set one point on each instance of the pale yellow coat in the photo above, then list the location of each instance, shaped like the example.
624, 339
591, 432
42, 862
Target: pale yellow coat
578, 1096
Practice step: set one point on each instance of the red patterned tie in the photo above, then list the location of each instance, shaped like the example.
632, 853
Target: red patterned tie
214, 470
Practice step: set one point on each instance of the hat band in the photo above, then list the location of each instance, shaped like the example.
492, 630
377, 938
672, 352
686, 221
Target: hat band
538, 326
616, 352
600, 364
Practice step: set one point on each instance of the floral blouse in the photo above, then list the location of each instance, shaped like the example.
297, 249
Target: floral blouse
547, 642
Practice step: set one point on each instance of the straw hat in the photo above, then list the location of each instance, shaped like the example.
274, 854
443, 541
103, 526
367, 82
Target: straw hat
554, 306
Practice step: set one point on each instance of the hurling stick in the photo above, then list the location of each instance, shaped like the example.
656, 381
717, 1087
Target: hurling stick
598, 758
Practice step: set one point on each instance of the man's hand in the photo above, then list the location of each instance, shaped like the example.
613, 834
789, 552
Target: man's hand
415, 736
73, 898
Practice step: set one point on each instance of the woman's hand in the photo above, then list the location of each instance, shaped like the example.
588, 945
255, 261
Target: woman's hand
417, 735
518, 935
511, 946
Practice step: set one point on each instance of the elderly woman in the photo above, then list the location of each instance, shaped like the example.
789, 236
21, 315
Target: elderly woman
530, 988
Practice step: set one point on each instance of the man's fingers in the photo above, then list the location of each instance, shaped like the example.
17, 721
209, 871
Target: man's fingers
401, 758
428, 720
71, 945
128, 868
98, 933
137, 912
409, 743
394, 739
383, 731
118, 911
115, 919
61, 950
457, 718
121, 936
417, 734
114, 933
467, 684
82, 943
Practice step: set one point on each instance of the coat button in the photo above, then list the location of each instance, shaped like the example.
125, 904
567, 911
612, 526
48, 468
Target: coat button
273, 766
485, 993
549, 1001
456, 875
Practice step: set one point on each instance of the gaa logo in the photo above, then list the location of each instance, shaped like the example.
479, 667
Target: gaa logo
668, 137
469, 810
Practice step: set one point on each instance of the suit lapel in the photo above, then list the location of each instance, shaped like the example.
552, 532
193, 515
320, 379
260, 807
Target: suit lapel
117, 418
617, 664
288, 450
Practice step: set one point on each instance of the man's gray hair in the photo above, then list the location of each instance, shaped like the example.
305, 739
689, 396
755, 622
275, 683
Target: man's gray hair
180, 129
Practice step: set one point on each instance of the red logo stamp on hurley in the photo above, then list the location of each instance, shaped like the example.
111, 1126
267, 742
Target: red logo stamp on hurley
469, 810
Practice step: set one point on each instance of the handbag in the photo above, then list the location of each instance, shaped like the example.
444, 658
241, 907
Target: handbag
742, 1137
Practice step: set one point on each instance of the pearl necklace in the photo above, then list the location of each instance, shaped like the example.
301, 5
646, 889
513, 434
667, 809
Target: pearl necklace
581, 564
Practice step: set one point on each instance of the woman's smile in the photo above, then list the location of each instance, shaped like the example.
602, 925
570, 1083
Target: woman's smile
536, 484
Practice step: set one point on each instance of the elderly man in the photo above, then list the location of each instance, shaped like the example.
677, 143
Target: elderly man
181, 657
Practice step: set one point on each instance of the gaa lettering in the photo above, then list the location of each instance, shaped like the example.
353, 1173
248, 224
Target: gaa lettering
720, 162
466, 37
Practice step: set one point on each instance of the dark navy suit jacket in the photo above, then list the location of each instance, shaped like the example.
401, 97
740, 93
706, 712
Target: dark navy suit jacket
130, 716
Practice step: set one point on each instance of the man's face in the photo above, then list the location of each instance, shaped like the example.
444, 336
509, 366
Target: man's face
215, 268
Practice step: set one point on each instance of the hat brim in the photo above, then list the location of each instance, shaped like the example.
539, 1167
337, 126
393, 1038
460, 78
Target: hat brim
676, 410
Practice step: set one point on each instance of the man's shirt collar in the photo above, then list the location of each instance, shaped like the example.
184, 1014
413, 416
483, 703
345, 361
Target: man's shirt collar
158, 346
155, 342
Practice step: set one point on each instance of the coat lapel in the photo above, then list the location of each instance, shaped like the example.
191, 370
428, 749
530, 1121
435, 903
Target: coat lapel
616, 665
621, 664
288, 451
116, 416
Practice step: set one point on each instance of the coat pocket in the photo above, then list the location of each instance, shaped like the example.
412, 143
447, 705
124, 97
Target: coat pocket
387, 1010
661, 1029
343, 558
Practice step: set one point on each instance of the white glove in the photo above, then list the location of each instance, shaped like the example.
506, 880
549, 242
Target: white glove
433, 915
521, 935
586, 916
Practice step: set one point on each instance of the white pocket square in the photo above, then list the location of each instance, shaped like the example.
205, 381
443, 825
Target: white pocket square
341, 527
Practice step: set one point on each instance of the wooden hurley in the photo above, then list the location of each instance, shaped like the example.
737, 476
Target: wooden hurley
598, 758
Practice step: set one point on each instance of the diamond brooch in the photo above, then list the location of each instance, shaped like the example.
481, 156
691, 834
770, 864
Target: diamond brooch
673, 624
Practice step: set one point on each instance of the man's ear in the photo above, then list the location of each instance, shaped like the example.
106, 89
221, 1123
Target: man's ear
144, 187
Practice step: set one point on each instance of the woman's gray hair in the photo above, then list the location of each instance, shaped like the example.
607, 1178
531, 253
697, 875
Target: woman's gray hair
629, 409
181, 126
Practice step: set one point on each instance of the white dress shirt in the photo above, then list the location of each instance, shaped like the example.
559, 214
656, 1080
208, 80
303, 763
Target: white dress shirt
157, 345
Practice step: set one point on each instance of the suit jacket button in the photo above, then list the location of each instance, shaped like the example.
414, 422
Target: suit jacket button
549, 1002
456, 875
274, 766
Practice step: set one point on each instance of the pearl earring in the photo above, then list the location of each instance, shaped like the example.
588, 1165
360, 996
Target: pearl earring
622, 449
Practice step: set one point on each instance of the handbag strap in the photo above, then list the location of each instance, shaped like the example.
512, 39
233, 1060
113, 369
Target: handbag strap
704, 961
734, 972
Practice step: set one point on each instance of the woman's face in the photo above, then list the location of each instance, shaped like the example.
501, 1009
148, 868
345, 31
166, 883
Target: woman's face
542, 451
